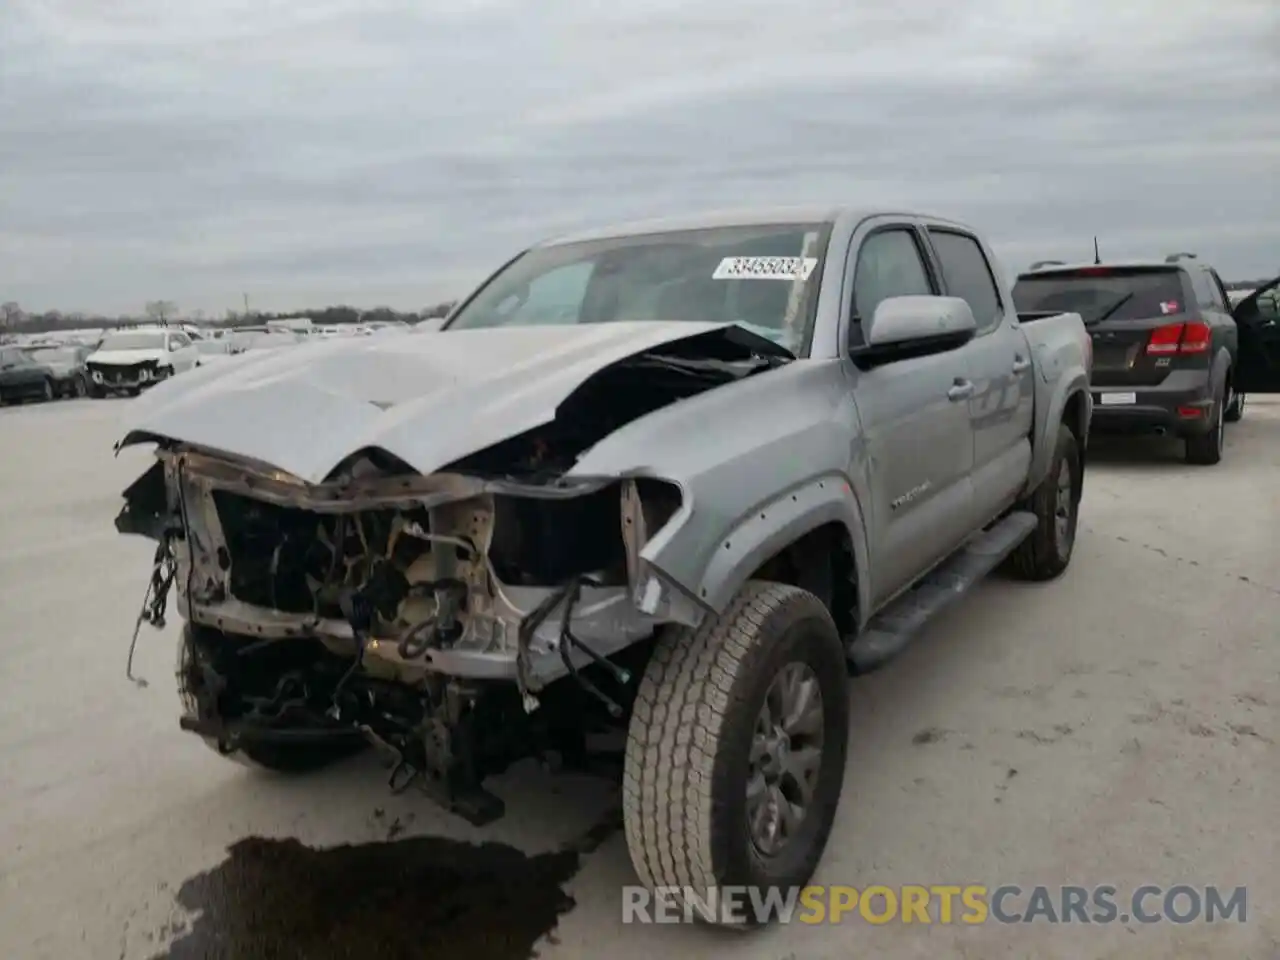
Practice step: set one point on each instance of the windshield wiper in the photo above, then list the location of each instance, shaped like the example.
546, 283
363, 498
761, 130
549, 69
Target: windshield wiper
1110, 311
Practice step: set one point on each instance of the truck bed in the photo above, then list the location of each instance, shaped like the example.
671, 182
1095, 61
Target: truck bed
1059, 345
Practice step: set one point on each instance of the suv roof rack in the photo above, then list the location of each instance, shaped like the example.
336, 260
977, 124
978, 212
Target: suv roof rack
1048, 263
1175, 257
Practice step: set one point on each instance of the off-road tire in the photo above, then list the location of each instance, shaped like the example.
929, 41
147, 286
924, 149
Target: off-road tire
1205, 449
1047, 552
689, 743
1235, 409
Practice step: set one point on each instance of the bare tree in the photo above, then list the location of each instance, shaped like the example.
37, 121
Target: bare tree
10, 314
161, 310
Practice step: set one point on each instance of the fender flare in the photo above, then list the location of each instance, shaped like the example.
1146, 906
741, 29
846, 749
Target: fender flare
1047, 422
766, 530
1220, 369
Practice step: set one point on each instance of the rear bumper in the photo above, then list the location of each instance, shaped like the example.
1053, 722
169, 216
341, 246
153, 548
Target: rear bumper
1182, 406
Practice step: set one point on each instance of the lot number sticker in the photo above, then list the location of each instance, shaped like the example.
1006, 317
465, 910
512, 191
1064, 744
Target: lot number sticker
765, 268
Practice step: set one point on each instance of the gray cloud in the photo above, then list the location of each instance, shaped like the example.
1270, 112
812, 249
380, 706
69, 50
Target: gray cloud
390, 151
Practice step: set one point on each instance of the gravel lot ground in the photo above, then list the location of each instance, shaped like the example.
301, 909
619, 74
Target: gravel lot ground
1118, 726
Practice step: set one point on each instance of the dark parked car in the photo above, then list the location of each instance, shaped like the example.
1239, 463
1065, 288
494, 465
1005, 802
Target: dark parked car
70, 376
1170, 356
22, 378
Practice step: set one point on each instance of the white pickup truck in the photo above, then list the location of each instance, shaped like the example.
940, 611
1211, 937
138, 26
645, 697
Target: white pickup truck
668, 480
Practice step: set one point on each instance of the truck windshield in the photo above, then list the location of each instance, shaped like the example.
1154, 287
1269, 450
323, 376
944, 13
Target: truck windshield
1134, 293
763, 277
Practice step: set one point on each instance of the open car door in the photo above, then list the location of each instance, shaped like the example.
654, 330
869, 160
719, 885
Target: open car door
1258, 322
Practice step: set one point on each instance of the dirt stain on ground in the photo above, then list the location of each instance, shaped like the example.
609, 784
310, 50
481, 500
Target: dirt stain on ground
418, 897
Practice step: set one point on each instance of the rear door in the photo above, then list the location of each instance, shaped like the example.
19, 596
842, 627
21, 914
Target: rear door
1258, 321
1145, 321
1001, 409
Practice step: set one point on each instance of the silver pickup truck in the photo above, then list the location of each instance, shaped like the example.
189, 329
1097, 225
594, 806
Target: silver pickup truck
667, 482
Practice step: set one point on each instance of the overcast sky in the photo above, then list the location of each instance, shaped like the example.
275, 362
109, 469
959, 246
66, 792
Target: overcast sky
391, 151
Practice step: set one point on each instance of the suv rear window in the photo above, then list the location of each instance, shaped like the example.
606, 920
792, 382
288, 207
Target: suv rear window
1091, 292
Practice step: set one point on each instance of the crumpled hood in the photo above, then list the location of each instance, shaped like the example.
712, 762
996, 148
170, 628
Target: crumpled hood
428, 400
123, 358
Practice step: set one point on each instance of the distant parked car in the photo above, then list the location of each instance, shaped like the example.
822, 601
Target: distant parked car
21, 378
128, 361
213, 351
263, 339
67, 363
1171, 356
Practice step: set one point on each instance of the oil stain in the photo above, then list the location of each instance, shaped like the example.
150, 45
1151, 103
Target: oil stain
419, 897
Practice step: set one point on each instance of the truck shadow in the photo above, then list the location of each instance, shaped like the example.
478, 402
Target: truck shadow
1154, 453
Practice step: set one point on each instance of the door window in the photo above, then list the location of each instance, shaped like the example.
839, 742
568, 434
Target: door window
969, 276
1220, 291
889, 265
1205, 289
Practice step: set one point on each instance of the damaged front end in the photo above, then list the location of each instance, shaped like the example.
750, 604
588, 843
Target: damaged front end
459, 620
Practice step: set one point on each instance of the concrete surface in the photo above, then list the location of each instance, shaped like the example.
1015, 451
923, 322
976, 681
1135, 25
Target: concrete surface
1137, 699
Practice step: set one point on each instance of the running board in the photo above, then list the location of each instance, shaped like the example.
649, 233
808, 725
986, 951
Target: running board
890, 630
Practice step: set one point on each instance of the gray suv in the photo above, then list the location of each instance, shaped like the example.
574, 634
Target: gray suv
1170, 356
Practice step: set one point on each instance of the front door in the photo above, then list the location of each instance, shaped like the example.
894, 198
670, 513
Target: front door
915, 424
1258, 322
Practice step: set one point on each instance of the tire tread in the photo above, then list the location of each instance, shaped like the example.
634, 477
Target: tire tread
679, 718
1036, 558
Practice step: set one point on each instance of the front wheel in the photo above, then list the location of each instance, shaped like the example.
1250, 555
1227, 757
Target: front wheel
736, 750
1056, 504
47, 393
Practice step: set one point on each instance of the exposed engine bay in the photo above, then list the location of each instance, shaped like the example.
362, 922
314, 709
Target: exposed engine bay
460, 620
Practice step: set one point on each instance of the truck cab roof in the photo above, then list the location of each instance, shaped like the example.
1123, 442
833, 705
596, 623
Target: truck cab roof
741, 217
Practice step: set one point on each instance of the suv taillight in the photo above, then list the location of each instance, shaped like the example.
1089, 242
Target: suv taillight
1195, 338
1172, 338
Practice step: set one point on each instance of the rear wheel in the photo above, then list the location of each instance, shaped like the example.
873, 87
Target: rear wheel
736, 750
1235, 407
1056, 504
1206, 449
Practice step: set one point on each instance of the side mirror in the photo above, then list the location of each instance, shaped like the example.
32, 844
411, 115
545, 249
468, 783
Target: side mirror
915, 319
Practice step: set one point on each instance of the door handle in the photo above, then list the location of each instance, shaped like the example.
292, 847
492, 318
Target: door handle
1020, 364
962, 390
